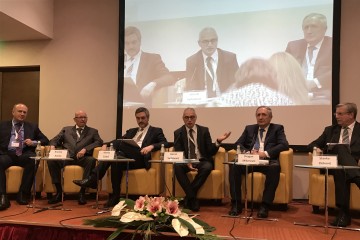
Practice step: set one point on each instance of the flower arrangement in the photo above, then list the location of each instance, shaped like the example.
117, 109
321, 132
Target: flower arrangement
153, 215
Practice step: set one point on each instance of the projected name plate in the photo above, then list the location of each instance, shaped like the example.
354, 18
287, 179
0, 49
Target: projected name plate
325, 161
248, 159
173, 156
58, 154
106, 155
194, 97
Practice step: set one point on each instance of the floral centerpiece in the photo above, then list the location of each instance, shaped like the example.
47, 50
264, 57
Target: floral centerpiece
153, 215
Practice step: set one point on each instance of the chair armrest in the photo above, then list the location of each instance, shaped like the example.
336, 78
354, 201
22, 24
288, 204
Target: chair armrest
286, 161
96, 152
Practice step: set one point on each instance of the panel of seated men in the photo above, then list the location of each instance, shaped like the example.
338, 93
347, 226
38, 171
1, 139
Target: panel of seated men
214, 186
14, 176
283, 194
72, 172
141, 181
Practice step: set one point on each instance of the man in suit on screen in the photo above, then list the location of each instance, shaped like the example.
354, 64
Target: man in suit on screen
314, 53
211, 68
17, 144
143, 72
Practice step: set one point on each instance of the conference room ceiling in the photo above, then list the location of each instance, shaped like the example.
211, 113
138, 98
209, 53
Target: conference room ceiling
13, 30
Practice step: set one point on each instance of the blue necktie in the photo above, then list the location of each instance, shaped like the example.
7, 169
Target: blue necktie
257, 143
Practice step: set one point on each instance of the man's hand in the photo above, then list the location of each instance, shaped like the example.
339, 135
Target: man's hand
81, 153
28, 142
147, 149
103, 147
190, 166
223, 137
148, 89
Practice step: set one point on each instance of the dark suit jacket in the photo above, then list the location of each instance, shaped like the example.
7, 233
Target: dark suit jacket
205, 145
151, 69
67, 138
323, 64
331, 134
275, 140
154, 136
31, 131
226, 69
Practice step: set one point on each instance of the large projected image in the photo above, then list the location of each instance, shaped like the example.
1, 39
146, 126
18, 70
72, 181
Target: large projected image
227, 57
227, 54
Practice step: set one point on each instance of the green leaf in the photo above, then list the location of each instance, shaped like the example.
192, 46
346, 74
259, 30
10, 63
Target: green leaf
188, 225
129, 202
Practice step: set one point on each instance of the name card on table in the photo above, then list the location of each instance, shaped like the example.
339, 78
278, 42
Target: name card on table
58, 154
106, 155
194, 97
325, 161
174, 156
248, 159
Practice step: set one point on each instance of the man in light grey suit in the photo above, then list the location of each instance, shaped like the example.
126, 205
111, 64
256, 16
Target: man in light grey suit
80, 141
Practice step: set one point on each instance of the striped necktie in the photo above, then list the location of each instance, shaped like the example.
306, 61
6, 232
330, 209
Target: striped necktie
345, 136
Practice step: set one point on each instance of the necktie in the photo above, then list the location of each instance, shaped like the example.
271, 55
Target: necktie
18, 150
129, 70
79, 130
210, 78
138, 138
257, 143
192, 145
345, 136
311, 52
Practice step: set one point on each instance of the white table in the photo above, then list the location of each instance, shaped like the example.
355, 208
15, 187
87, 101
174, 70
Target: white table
326, 168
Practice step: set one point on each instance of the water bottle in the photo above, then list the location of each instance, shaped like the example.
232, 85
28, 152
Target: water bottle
162, 152
111, 148
38, 149
314, 151
238, 151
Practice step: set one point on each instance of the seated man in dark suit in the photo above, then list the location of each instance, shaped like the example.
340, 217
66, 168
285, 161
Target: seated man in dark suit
267, 140
195, 141
80, 140
143, 72
147, 137
346, 131
314, 53
17, 144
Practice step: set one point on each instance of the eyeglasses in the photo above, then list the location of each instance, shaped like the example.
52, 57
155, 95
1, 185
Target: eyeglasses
81, 117
340, 113
189, 117
206, 42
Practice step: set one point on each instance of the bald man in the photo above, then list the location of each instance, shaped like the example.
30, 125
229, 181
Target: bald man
80, 141
17, 144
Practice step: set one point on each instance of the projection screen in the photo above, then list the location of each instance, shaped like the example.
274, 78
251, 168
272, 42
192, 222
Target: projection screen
259, 56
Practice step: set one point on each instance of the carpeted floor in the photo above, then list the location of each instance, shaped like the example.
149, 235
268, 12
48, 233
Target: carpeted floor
282, 228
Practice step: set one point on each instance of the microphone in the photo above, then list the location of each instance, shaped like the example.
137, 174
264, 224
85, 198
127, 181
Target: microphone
176, 141
330, 146
253, 140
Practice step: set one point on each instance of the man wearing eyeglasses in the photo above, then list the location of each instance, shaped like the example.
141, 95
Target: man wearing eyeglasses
211, 68
346, 131
195, 141
80, 141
